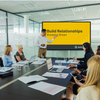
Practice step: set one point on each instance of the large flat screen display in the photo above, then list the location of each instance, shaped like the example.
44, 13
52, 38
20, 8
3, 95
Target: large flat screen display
71, 35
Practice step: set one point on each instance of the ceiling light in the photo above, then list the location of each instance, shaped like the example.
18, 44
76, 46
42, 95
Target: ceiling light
81, 17
29, 5
44, 13
73, 0
79, 9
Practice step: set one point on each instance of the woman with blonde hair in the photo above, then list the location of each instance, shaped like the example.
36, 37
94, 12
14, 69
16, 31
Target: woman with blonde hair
91, 89
7, 59
19, 54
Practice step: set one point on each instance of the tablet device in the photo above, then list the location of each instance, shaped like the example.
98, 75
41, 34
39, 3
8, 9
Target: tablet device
78, 76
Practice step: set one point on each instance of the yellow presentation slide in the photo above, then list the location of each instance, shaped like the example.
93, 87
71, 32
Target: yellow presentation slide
69, 33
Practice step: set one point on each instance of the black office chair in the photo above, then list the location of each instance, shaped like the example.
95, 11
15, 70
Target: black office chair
15, 58
1, 62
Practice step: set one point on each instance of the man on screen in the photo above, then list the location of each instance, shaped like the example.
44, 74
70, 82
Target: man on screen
42, 43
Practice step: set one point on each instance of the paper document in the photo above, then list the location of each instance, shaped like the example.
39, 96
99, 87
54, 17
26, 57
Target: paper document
23, 62
57, 66
5, 69
43, 59
72, 61
47, 88
39, 62
32, 78
60, 61
56, 75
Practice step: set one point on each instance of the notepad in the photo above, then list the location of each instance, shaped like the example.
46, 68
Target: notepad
5, 69
60, 61
47, 88
56, 75
57, 66
32, 78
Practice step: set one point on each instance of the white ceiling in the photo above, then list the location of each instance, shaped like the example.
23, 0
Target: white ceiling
70, 14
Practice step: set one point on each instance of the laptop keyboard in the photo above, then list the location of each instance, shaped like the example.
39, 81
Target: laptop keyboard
54, 69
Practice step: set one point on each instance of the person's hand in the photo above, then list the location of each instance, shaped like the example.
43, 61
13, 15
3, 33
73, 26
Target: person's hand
71, 65
78, 71
74, 58
84, 78
77, 61
55, 36
42, 45
77, 82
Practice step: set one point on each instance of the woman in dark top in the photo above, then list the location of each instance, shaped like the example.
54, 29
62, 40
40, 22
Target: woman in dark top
72, 87
97, 49
83, 61
19, 54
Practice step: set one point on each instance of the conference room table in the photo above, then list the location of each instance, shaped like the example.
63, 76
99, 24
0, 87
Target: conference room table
13, 89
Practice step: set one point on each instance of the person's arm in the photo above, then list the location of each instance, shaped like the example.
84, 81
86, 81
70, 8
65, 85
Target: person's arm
50, 41
5, 62
81, 59
84, 73
84, 65
11, 62
18, 58
77, 82
25, 58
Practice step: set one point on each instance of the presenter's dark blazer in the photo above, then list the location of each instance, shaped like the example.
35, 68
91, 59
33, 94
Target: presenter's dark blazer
85, 59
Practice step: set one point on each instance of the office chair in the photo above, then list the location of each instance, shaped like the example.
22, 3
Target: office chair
15, 58
1, 62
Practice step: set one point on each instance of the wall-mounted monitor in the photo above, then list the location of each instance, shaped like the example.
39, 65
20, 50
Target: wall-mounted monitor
71, 35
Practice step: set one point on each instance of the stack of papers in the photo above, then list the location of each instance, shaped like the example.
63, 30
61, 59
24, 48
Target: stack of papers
39, 61
56, 75
57, 66
5, 69
47, 88
23, 62
32, 78
60, 61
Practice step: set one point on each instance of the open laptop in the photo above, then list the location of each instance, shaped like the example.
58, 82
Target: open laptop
50, 67
28, 61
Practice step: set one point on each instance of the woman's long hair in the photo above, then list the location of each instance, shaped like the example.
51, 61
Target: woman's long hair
7, 50
88, 48
93, 73
98, 48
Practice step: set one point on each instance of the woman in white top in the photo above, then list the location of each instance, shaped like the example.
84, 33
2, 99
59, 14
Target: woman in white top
91, 89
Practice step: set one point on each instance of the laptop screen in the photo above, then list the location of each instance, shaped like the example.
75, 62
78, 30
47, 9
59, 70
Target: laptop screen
32, 58
49, 63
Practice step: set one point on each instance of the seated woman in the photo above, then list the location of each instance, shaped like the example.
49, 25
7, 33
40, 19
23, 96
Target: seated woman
7, 59
19, 54
88, 54
75, 85
97, 49
91, 89
98, 52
